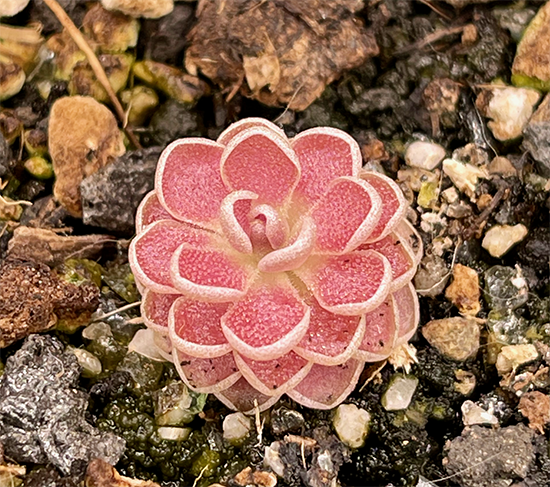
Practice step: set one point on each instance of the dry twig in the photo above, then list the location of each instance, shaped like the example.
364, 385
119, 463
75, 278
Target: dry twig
83, 45
430, 39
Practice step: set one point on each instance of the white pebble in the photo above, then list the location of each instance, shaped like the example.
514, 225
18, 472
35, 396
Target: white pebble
351, 424
424, 155
173, 433
464, 176
236, 427
511, 108
399, 394
272, 459
501, 238
97, 330
9, 8
91, 365
474, 414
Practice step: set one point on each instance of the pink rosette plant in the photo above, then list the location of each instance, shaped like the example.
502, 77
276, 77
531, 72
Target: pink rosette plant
271, 266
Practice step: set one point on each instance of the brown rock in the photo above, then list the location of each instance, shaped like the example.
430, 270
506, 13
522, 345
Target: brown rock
83, 137
257, 478
47, 247
457, 338
32, 298
100, 474
533, 52
441, 95
535, 406
464, 292
502, 166
280, 53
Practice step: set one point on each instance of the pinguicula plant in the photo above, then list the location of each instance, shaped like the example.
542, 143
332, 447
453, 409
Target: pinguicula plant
271, 266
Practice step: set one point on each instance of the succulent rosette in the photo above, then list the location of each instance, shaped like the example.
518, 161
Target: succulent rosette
271, 266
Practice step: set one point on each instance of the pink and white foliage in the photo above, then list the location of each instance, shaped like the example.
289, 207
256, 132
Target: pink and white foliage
274, 266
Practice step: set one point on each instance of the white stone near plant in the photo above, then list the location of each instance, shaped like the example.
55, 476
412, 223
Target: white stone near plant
97, 330
474, 414
172, 433
501, 238
150, 9
463, 175
9, 8
272, 459
351, 424
512, 356
510, 109
144, 344
425, 155
399, 393
236, 427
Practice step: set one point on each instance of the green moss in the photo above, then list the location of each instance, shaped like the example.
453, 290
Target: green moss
78, 271
120, 279
524, 81
206, 464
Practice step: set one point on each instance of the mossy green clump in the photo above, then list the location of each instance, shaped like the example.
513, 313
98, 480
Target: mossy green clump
524, 81
120, 279
134, 414
78, 271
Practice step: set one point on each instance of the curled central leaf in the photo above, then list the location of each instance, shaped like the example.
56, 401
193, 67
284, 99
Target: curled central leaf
275, 266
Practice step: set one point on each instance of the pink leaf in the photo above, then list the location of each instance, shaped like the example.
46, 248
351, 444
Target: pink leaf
234, 219
155, 308
258, 160
407, 313
345, 215
324, 154
268, 322
247, 123
149, 211
207, 375
276, 228
151, 251
394, 204
327, 386
241, 396
350, 284
380, 333
274, 377
188, 180
210, 273
399, 256
195, 328
294, 255
330, 339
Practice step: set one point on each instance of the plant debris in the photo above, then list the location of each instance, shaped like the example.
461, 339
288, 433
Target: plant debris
280, 53
33, 298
